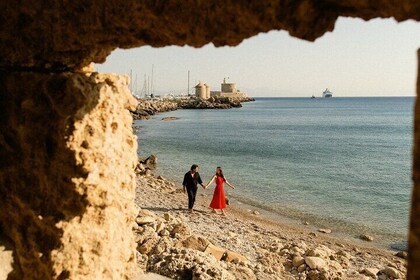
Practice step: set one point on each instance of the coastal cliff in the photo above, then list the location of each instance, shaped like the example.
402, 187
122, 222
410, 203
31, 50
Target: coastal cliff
147, 108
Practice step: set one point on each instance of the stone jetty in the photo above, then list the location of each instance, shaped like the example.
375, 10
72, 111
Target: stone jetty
147, 108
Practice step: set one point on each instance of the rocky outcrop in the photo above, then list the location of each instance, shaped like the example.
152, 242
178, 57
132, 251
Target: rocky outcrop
67, 144
59, 37
147, 108
216, 102
64, 186
169, 248
211, 103
144, 166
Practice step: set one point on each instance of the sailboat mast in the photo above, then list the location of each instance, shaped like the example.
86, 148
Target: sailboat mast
135, 85
131, 81
143, 93
188, 87
148, 85
151, 83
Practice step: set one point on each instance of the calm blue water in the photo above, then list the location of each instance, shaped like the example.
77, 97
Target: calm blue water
341, 163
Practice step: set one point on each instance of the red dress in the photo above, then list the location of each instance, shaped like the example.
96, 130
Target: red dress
218, 201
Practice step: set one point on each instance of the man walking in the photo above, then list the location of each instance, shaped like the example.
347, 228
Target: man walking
191, 179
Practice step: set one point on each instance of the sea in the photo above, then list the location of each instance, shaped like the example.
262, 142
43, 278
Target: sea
337, 163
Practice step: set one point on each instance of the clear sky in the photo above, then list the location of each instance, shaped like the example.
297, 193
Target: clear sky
359, 58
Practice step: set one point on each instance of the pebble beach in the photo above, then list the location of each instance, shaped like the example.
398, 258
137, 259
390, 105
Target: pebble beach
245, 244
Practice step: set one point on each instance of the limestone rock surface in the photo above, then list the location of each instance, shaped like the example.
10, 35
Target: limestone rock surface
66, 193
69, 35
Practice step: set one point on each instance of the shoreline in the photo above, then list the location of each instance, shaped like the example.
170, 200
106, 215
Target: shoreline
278, 220
353, 236
389, 231
270, 249
273, 216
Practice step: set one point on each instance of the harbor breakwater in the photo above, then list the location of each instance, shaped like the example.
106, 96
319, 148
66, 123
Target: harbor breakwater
147, 108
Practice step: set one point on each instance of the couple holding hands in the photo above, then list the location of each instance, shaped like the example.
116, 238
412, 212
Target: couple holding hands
192, 178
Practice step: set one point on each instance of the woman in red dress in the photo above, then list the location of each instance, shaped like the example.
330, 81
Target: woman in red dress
219, 199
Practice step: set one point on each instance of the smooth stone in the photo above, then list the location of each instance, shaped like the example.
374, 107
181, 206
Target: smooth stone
235, 257
324, 230
170, 118
402, 254
392, 272
298, 261
301, 268
366, 237
315, 262
372, 272
145, 220
215, 251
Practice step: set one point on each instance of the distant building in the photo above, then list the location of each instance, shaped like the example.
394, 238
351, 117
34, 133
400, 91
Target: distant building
201, 90
227, 90
207, 91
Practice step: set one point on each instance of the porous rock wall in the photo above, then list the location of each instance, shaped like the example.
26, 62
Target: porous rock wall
58, 35
413, 268
66, 193
65, 180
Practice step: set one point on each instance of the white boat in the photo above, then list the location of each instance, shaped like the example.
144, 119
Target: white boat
327, 93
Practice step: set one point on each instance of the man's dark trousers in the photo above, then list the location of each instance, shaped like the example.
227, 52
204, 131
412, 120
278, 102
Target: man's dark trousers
191, 191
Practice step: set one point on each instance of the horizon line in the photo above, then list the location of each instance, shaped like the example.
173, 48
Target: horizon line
335, 97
